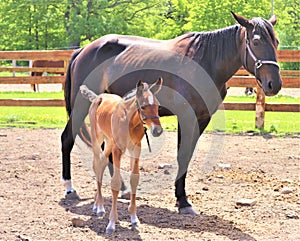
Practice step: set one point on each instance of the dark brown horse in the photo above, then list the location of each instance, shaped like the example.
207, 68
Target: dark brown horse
195, 68
44, 64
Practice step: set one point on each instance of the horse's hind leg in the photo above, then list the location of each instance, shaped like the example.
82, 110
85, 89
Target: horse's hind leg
67, 140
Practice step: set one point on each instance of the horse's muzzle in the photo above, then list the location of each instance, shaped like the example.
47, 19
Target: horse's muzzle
271, 87
156, 130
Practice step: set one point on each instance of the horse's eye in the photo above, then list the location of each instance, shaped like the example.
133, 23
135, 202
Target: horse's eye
255, 42
143, 107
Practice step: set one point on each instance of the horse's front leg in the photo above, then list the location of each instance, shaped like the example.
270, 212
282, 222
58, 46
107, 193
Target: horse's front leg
116, 183
134, 181
188, 136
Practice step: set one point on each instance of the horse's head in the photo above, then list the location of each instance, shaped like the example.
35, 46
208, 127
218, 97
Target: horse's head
259, 52
147, 105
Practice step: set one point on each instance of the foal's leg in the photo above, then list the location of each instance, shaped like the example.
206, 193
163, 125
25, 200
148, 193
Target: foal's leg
99, 164
125, 193
116, 183
134, 181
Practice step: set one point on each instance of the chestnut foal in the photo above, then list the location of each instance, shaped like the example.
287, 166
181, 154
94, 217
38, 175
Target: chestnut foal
120, 123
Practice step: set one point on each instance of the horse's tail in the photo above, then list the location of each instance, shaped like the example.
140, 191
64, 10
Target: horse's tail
87, 93
84, 133
68, 82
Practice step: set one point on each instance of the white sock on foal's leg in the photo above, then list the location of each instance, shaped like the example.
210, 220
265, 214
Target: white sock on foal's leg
134, 181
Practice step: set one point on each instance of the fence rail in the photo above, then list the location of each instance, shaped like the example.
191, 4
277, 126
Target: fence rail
290, 78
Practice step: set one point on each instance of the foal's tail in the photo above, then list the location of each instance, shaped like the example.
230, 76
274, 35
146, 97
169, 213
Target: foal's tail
87, 93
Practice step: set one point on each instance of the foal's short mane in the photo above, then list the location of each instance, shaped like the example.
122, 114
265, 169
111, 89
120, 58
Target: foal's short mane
129, 95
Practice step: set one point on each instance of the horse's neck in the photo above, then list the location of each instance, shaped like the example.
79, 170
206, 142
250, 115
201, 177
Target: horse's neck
222, 66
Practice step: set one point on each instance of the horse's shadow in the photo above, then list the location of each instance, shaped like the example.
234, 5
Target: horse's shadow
157, 217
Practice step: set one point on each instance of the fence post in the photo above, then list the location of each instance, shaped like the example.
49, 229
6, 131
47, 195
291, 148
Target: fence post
260, 108
14, 65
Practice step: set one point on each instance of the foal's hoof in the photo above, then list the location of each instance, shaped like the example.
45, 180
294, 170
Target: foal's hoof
109, 231
72, 196
125, 195
135, 226
101, 214
187, 210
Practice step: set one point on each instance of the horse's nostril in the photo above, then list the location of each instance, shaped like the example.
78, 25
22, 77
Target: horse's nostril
270, 85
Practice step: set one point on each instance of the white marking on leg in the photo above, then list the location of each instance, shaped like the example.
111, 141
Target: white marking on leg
134, 220
68, 185
111, 227
99, 209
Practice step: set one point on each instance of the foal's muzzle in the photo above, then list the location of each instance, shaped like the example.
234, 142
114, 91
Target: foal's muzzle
156, 130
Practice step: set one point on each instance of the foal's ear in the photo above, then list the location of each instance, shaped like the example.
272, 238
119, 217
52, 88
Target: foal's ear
242, 21
155, 88
273, 20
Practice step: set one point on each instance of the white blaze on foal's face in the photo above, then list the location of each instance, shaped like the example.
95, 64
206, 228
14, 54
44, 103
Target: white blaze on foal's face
150, 98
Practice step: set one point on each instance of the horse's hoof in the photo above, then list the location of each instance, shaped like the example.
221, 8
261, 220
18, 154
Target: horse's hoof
72, 196
109, 230
187, 210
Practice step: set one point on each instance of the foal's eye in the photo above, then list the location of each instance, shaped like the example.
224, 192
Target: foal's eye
143, 107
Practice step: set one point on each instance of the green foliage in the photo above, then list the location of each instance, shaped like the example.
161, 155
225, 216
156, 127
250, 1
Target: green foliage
60, 24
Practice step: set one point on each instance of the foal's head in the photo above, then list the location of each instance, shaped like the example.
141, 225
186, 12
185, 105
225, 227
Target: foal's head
147, 105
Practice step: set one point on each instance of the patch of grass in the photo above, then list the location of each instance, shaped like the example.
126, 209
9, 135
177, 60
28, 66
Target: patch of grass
31, 95
244, 121
273, 99
33, 117
228, 121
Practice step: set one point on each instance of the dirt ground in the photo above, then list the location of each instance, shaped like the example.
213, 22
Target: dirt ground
33, 206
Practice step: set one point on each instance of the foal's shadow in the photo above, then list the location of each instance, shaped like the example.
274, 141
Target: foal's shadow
157, 217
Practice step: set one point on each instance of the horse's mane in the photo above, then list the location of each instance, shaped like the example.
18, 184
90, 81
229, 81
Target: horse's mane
265, 29
215, 43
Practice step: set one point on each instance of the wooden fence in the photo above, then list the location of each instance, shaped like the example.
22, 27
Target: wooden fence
291, 79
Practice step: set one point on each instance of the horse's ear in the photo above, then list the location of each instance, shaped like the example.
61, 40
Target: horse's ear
155, 88
273, 20
139, 87
242, 21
